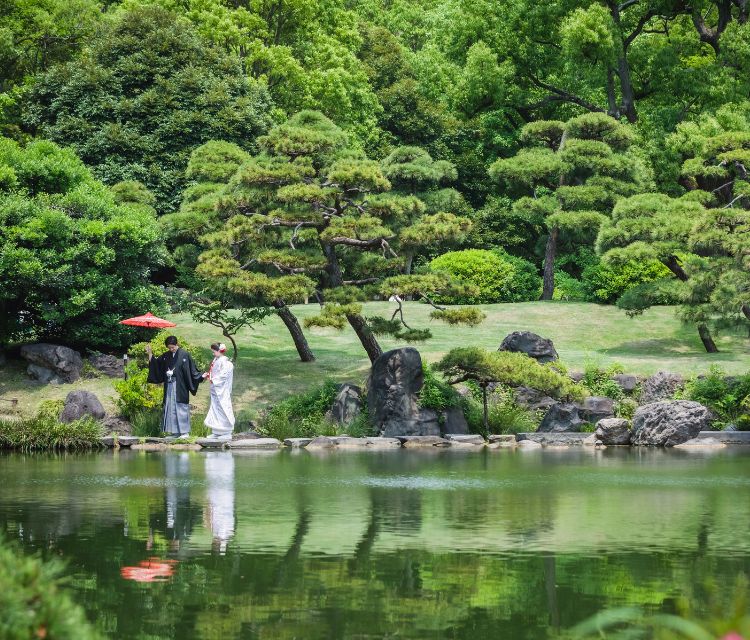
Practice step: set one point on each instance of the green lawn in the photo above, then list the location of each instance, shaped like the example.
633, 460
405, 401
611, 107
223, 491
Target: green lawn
269, 369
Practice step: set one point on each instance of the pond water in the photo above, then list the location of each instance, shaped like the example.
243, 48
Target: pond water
401, 544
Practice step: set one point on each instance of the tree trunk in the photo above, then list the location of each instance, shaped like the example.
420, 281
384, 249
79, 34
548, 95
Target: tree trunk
357, 322
626, 89
612, 109
292, 324
365, 335
234, 346
548, 287
746, 310
706, 339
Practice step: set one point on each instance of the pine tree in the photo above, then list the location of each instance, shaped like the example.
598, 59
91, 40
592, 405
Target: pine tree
312, 216
569, 176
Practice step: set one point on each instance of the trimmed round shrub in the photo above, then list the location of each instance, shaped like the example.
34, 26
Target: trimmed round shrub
498, 276
606, 283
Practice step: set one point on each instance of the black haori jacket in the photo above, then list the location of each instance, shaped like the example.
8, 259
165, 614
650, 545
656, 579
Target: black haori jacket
186, 374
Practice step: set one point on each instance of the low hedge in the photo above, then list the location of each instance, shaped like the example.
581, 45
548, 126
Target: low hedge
45, 432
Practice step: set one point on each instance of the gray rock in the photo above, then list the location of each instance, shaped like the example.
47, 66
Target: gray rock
555, 439
533, 399
502, 437
721, 437
454, 421
347, 404
297, 442
65, 363
79, 404
255, 443
395, 380
110, 366
668, 423
211, 443
528, 445
595, 408
246, 435
460, 438
561, 417
383, 443
117, 425
613, 431
576, 376
321, 442
533, 345
626, 382
347, 442
411, 442
43, 375
660, 386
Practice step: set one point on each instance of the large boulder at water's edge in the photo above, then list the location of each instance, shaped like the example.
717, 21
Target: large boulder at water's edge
661, 386
534, 346
613, 431
52, 363
669, 422
395, 380
79, 404
561, 417
347, 404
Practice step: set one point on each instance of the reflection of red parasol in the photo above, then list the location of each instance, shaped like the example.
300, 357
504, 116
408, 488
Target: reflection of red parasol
151, 570
148, 320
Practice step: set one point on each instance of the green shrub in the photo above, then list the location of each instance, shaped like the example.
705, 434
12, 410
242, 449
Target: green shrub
302, 415
567, 288
498, 276
32, 602
45, 431
599, 381
606, 283
727, 397
504, 415
136, 396
436, 394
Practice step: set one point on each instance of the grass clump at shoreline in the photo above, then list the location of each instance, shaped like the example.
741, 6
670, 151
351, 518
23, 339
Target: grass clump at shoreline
45, 431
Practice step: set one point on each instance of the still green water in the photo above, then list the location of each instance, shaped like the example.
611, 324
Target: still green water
402, 544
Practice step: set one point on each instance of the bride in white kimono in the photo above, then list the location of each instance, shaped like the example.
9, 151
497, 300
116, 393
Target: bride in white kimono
220, 418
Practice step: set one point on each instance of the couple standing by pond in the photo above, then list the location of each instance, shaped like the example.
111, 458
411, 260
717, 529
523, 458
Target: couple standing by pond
176, 370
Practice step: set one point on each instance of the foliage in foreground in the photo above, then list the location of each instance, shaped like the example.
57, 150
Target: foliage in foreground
45, 431
728, 619
32, 604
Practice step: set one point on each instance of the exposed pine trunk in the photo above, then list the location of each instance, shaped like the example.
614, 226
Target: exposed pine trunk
746, 310
612, 109
292, 324
365, 335
626, 89
706, 339
548, 282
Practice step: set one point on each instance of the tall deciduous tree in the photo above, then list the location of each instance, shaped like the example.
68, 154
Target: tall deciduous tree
569, 175
147, 92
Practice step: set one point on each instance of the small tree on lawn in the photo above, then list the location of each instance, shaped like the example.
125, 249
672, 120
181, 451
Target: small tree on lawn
222, 315
568, 176
504, 367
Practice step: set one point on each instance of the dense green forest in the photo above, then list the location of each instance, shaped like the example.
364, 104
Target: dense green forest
457, 152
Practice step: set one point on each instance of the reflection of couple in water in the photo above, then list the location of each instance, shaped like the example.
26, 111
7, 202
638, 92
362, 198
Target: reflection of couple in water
218, 513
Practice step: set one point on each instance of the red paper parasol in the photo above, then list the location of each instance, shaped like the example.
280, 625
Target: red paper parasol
148, 320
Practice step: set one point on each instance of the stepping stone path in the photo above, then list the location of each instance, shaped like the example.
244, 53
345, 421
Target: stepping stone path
469, 439
255, 443
411, 442
297, 443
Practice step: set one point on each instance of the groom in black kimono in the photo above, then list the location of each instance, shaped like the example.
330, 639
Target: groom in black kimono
176, 370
